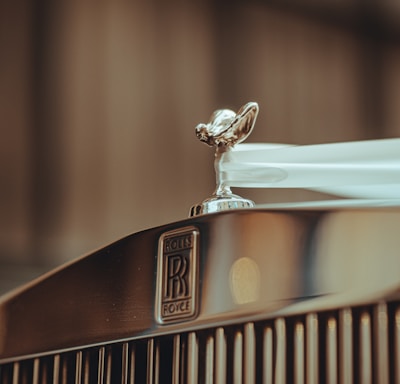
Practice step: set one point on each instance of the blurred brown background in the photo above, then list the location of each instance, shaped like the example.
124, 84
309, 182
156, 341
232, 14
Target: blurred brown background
99, 100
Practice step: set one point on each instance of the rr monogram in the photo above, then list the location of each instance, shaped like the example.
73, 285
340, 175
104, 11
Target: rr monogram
177, 279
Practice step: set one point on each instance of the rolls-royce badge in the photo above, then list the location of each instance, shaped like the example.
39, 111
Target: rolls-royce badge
177, 275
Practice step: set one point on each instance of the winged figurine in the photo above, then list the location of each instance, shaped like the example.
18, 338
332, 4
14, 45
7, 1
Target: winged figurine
227, 128
224, 130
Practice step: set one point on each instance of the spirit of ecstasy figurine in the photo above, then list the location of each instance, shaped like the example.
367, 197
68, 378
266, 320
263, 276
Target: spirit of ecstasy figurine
367, 169
224, 130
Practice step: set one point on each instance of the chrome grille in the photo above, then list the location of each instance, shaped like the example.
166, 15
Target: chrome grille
350, 345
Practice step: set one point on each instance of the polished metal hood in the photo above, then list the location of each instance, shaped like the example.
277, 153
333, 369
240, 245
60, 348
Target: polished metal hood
248, 265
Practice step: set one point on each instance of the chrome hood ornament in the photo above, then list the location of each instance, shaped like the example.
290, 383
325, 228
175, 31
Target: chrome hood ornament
224, 130
360, 169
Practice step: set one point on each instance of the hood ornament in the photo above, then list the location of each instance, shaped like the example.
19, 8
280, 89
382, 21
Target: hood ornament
224, 130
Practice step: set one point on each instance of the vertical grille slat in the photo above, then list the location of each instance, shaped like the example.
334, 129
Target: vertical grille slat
381, 344
100, 369
220, 356
15, 373
156, 372
209, 369
56, 369
36, 370
78, 368
312, 348
249, 354
346, 346
268, 355
365, 347
193, 356
150, 361
299, 360
280, 358
176, 359
125, 364
331, 351
237, 357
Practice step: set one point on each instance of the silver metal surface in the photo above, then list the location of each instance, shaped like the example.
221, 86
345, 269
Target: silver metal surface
315, 291
222, 200
299, 262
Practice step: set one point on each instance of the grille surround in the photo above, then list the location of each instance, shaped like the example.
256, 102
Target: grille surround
347, 345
